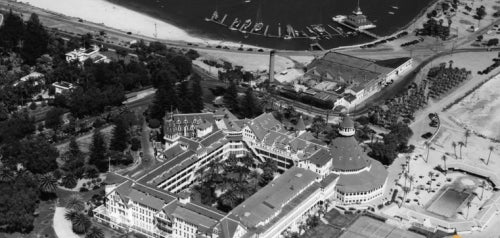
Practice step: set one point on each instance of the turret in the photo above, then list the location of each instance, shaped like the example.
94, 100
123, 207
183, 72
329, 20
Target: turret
346, 127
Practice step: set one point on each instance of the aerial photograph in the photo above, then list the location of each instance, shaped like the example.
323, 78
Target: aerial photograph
249, 118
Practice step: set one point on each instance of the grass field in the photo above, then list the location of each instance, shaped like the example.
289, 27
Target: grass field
448, 202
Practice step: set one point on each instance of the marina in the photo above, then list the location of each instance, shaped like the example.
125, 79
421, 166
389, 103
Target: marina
347, 26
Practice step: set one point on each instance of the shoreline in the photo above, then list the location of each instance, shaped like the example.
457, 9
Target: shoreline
123, 19
179, 35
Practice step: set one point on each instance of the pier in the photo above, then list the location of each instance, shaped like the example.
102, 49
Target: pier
359, 30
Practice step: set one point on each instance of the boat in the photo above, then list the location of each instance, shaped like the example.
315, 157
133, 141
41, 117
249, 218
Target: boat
236, 23
246, 25
258, 26
248, 1
395, 7
339, 18
214, 17
391, 13
287, 37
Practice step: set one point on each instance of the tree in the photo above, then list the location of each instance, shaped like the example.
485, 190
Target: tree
467, 135
74, 149
444, 158
98, 152
318, 125
483, 186
480, 13
411, 179
75, 203
490, 148
18, 198
183, 92
461, 144
35, 40
312, 221
431, 175
196, 93
47, 183
454, 145
120, 136
427, 145
53, 118
165, 97
12, 31
80, 223
249, 107
35, 154
69, 181
231, 96
94, 232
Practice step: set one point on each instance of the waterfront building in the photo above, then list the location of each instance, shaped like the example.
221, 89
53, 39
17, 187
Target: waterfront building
158, 204
356, 79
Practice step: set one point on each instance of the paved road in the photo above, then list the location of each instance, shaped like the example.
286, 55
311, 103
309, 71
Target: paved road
1, 19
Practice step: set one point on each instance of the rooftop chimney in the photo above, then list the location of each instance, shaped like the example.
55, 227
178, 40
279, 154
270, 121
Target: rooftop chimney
271, 66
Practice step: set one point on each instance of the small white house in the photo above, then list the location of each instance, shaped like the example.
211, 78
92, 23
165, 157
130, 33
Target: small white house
82, 54
63, 87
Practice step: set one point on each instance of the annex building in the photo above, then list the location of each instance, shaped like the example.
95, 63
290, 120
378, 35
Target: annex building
158, 204
354, 78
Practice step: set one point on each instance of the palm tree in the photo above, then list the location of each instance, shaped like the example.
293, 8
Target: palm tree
94, 232
411, 179
406, 190
454, 145
468, 208
75, 203
444, 158
253, 178
47, 183
431, 174
483, 185
70, 215
229, 199
406, 177
461, 144
466, 134
490, 148
408, 160
427, 144
80, 223
451, 64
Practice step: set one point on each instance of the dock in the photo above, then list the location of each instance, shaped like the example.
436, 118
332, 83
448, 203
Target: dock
359, 30
265, 31
341, 33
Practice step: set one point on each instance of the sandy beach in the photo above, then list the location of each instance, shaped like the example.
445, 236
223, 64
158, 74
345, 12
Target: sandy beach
118, 17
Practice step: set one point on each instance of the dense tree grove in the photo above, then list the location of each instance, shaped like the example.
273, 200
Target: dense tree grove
19, 196
35, 41
396, 141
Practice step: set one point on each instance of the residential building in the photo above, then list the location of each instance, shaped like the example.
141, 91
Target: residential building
63, 87
83, 54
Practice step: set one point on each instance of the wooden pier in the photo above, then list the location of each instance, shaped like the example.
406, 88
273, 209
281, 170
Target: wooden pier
359, 30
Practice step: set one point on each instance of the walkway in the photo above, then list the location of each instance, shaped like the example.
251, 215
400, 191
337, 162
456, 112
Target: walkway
1, 19
62, 227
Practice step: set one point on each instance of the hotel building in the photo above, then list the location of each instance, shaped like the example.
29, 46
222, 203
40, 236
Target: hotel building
157, 204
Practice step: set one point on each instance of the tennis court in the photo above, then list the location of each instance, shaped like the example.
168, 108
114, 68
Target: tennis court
367, 227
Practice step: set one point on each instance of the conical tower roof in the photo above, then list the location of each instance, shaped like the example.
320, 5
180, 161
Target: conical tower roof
347, 122
301, 126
